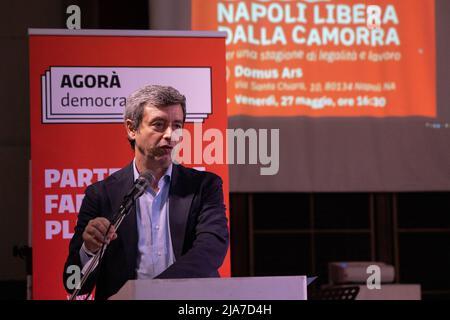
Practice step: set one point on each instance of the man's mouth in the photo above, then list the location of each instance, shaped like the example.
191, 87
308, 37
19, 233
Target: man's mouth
166, 149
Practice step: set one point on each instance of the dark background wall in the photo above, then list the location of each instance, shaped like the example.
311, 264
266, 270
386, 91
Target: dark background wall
15, 18
300, 233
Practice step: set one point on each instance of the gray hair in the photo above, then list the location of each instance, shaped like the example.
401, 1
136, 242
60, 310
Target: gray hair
156, 95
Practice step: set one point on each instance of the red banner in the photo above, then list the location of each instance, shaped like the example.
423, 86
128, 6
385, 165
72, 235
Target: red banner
79, 81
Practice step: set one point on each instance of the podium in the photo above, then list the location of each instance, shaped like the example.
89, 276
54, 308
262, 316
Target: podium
239, 288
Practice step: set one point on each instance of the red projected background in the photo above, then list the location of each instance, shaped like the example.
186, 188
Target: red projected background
321, 58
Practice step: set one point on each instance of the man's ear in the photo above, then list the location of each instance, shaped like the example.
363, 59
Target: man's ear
130, 131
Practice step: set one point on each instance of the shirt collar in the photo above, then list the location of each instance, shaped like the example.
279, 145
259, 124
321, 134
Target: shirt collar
167, 174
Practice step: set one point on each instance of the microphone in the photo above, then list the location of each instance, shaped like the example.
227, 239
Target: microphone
139, 186
138, 189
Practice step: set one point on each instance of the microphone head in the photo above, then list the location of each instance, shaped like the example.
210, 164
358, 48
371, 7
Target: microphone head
147, 176
143, 182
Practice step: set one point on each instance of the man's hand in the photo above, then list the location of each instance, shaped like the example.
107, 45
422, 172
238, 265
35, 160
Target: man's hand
94, 234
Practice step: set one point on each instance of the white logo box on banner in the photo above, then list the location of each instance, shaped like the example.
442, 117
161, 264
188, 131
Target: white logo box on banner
98, 94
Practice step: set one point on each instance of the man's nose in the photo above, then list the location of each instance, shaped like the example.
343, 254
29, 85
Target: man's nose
168, 133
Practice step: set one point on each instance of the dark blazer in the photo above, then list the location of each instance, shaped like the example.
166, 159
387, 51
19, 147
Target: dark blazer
198, 227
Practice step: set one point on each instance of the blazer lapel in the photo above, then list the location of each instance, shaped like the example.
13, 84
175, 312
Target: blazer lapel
127, 232
180, 199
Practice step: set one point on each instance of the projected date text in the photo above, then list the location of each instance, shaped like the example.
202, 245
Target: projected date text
322, 102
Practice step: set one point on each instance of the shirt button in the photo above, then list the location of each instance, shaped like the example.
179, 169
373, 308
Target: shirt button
159, 253
157, 227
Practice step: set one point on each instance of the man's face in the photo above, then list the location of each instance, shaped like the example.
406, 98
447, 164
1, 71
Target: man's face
154, 135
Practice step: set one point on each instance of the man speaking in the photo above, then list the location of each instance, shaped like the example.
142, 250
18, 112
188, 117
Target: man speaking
176, 229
